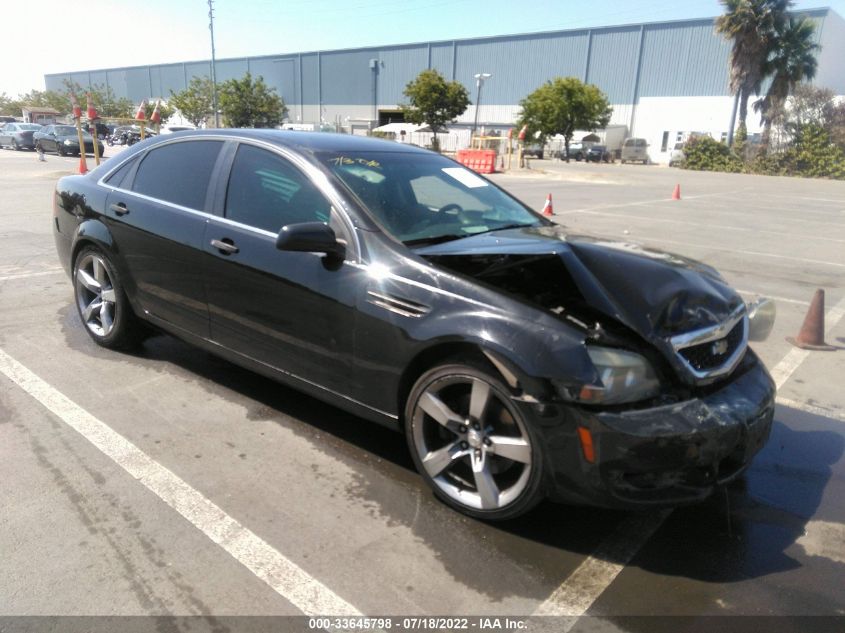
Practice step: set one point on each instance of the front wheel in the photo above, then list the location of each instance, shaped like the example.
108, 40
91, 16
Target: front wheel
471, 443
60, 150
102, 303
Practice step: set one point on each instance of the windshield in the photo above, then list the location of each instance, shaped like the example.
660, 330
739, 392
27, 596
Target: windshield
29, 126
422, 198
65, 130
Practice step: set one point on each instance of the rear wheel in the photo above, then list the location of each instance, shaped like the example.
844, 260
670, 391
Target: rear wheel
471, 443
15, 145
102, 303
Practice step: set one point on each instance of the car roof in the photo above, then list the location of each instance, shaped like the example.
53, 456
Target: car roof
312, 141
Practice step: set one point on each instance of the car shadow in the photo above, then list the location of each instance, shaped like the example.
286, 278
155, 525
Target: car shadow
742, 532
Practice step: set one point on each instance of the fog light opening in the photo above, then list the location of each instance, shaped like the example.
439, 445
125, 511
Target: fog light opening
587, 444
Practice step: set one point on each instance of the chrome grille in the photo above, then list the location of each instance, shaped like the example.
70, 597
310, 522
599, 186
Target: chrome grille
715, 350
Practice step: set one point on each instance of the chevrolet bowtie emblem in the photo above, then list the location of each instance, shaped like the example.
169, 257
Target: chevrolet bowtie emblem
720, 347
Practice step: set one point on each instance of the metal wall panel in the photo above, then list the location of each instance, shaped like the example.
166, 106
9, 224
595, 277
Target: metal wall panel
684, 59
831, 73
310, 93
278, 73
97, 78
398, 66
347, 77
171, 79
520, 64
441, 58
613, 62
198, 69
230, 69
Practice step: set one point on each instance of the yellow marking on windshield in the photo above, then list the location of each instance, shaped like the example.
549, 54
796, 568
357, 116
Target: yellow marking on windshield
346, 160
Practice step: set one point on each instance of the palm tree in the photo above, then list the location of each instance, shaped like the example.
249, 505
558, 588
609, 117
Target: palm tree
751, 25
792, 59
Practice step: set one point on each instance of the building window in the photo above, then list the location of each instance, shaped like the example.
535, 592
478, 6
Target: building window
679, 137
665, 143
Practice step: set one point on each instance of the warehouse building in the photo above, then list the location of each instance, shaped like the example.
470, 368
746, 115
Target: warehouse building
664, 79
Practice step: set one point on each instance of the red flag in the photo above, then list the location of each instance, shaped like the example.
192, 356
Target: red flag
92, 111
155, 117
140, 115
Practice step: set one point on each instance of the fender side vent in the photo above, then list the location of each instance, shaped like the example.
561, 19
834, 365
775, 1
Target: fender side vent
401, 306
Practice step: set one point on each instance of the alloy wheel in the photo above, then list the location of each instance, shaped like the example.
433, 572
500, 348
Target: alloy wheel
472, 443
95, 294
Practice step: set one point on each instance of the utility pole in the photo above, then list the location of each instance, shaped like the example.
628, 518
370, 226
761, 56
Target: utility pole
213, 63
479, 81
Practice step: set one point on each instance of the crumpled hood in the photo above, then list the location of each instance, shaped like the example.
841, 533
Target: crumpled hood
656, 294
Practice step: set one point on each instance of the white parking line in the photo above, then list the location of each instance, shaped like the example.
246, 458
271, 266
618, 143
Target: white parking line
575, 596
775, 297
641, 203
811, 408
27, 275
282, 575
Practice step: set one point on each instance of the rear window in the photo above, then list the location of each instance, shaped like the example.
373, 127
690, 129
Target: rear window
178, 173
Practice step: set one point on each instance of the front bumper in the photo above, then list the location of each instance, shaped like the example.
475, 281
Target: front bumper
667, 455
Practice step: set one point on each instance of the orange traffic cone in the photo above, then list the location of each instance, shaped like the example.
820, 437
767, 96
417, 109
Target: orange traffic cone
676, 194
548, 209
811, 335
83, 167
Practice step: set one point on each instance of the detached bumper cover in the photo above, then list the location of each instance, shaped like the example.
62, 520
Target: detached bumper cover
666, 455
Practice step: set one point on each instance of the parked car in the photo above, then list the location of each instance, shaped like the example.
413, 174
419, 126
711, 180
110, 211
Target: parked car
598, 153
677, 156
171, 129
64, 140
533, 150
635, 149
18, 135
519, 360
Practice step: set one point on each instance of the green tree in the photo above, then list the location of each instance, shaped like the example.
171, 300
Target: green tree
9, 106
792, 59
562, 106
750, 25
46, 99
195, 102
108, 104
250, 103
434, 101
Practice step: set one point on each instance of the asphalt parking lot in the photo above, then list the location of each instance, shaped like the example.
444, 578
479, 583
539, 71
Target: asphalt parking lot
168, 482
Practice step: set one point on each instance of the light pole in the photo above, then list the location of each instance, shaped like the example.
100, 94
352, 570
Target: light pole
213, 71
479, 81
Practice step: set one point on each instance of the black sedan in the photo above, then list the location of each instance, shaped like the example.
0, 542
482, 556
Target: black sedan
64, 140
18, 135
519, 360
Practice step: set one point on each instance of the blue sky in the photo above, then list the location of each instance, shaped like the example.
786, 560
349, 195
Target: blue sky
113, 33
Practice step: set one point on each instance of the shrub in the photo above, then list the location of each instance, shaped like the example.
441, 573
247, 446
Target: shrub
702, 153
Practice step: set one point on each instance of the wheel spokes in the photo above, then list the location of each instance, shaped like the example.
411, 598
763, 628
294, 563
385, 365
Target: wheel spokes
108, 295
94, 307
440, 412
438, 461
479, 397
514, 448
98, 270
106, 319
88, 281
488, 491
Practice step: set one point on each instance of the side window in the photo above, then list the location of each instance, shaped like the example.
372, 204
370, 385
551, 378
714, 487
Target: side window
178, 172
118, 178
266, 192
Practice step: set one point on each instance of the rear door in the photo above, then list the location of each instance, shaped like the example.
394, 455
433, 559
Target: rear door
157, 215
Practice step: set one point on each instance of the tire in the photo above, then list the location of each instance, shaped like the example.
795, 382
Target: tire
15, 145
60, 150
460, 452
102, 304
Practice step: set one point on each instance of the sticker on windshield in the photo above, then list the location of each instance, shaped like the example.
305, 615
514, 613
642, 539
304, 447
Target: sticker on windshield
346, 160
465, 177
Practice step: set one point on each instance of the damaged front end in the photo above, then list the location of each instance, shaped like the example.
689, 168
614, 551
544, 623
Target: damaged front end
676, 403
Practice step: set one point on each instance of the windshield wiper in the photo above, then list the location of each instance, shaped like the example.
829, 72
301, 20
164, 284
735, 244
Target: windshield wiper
505, 227
437, 239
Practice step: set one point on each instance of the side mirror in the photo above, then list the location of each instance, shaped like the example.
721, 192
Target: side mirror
761, 319
311, 237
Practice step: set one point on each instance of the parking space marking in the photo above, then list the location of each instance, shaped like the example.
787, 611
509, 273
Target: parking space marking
810, 408
803, 260
41, 273
770, 296
589, 580
641, 203
786, 367
790, 235
282, 575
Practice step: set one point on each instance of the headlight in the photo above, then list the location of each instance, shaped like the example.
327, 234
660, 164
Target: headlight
623, 377
68, 141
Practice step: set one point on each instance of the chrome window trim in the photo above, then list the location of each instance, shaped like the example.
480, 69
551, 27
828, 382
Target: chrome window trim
317, 177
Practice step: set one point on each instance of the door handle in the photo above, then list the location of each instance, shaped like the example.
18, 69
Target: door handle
119, 208
225, 246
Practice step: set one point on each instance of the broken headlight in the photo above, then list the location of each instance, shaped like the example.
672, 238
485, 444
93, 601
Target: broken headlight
623, 377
